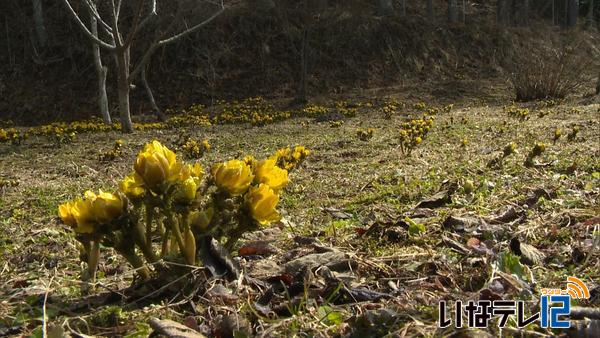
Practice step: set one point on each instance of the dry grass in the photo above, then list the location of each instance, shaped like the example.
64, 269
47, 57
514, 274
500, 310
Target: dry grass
370, 180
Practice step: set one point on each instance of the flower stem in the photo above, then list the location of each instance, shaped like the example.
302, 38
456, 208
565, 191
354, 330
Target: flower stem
149, 218
145, 246
177, 232
138, 264
93, 258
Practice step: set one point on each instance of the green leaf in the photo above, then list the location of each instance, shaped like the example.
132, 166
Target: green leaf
142, 330
329, 316
510, 263
414, 228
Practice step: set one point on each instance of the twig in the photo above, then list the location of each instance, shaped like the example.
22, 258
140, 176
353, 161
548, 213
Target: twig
44, 317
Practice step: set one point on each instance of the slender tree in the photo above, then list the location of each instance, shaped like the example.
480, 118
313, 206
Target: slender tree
101, 70
572, 12
40, 27
385, 7
502, 12
430, 11
121, 40
452, 11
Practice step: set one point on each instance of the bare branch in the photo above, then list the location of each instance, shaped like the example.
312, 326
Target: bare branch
115, 24
150, 16
146, 57
85, 30
192, 29
94, 10
135, 25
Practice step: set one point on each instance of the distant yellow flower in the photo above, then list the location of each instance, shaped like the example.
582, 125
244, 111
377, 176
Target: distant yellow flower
206, 145
262, 202
157, 164
132, 186
233, 176
266, 171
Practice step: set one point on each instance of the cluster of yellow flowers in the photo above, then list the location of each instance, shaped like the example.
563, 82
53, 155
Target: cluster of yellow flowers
5, 182
438, 110
573, 133
192, 116
391, 107
420, 105
191, 147
413, 132
365, 134
254, 110
346, 108
291, 158
537, 150
58, 133
12, 135
340, 108
173, 206
114, 153
508, 150
549, 103
544, 112
514, 111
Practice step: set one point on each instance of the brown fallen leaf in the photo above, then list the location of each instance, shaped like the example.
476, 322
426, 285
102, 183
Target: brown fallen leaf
172, 329
260, 248
528, 253
438, 200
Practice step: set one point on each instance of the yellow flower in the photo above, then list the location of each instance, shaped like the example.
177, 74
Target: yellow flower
233, 176
249, 160
201, 219
83, 213
187, 190
268, 172
65, 211
206, 145
262, 202
196, 170
106, 206
157, 164
132, 186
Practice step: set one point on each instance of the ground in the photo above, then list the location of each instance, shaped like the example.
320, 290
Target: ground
353, 201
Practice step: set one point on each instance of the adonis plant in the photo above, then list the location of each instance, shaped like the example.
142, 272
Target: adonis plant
165, 208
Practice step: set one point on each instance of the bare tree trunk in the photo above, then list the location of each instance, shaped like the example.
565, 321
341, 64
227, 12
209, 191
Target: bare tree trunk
452, 11
122, 54
38, 19
386, 7
429, 10
590, 13
572, 12
101, 72
502, 12
522, 11
159, 114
